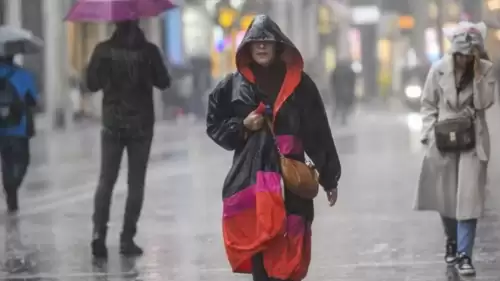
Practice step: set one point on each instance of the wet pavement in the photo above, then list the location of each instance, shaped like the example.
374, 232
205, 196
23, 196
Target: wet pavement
372, 233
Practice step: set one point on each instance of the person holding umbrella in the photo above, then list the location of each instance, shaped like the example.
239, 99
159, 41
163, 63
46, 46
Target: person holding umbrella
18, 95
125, 67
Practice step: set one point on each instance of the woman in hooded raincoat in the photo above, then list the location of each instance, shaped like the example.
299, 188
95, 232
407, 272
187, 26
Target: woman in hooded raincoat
454, 184
267, 229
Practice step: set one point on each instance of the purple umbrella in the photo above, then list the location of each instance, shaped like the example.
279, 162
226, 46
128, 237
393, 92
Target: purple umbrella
116, 10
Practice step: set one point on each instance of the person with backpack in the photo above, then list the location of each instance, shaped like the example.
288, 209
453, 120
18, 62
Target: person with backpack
18, 97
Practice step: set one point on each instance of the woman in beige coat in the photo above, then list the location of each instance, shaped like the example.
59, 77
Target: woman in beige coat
453, 183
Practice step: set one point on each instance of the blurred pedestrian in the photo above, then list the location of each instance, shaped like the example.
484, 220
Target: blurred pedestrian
125, 67
18, 97
270, 113
458, 91
343, 83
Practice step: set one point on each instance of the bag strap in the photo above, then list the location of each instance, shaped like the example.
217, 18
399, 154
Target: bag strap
269, 124
471, 103
474, 111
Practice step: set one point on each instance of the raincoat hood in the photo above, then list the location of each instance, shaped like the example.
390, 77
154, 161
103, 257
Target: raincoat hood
263, 28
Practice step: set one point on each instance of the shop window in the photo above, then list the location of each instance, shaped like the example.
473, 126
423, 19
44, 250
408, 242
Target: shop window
82, 38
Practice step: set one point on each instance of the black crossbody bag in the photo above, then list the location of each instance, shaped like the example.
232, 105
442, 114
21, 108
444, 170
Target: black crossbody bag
456, 134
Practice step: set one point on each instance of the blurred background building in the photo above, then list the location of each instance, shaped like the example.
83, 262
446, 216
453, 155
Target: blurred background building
386, 40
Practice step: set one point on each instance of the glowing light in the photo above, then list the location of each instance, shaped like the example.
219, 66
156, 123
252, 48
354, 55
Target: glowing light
493, 5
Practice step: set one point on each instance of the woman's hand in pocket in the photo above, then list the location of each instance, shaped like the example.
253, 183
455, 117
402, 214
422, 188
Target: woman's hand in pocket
254, 121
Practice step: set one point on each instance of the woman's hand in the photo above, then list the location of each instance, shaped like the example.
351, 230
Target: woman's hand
254, 121
331, 195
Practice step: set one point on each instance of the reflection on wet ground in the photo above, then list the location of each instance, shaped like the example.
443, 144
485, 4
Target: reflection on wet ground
372, 234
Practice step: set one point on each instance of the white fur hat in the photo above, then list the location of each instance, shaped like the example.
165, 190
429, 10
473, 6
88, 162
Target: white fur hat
466, 35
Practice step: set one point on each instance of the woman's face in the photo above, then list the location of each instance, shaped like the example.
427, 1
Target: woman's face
462, 61
263, 52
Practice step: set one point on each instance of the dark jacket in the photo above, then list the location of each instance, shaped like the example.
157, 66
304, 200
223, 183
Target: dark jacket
125, 68
299, 113
253, 207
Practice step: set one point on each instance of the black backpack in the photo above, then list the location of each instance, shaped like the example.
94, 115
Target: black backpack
11, 105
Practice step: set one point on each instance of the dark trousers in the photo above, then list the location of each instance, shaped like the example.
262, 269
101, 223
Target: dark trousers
15, 156
258, 271
112, 146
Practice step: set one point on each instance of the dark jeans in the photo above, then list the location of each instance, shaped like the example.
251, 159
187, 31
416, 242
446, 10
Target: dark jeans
15, 155
112, 146
258, 271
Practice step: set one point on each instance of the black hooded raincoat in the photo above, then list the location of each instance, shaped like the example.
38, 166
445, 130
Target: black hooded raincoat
257, 210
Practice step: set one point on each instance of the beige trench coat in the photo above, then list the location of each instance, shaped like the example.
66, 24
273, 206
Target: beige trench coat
455, 185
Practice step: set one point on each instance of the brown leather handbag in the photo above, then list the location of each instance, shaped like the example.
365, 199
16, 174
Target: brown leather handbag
300, 178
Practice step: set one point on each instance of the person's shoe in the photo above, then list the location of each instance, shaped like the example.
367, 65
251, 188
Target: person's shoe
130, 249
464, 266
98, 246
450, 256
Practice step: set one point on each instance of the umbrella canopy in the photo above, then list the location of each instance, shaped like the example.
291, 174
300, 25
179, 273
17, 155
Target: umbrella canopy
116, 10
15, 40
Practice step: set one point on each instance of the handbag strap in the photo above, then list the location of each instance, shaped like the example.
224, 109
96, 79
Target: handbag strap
471, 103
269, 124
271, 129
